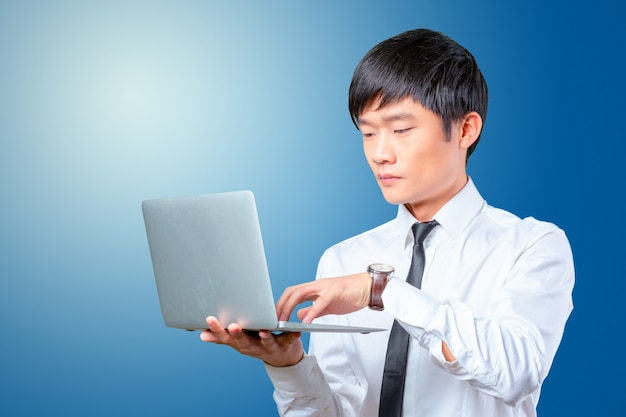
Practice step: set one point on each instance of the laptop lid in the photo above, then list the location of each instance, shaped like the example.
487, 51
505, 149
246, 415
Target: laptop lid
208, 259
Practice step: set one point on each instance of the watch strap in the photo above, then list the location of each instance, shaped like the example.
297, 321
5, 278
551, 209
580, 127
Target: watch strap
380, 274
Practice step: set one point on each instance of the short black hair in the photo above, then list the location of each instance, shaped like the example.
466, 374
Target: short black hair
426, 65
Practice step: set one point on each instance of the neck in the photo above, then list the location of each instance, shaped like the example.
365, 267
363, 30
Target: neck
424, 211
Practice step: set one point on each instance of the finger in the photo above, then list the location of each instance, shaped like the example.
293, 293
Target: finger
270, 340
290, 337
208, 336
315, 310
236, 332
264, 334
219, 334
214, 323
267, 339
282, 311
241, 340
294, 296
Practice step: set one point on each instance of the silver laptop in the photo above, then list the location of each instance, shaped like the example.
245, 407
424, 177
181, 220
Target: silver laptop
208, 260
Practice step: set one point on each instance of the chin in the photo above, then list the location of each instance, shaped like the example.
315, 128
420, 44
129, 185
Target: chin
393, 198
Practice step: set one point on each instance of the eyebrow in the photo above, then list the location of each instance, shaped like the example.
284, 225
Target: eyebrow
389, 118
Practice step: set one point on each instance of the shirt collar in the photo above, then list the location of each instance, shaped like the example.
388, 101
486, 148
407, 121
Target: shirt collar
453, 217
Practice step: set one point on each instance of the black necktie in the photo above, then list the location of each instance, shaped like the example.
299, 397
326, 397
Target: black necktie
392, 391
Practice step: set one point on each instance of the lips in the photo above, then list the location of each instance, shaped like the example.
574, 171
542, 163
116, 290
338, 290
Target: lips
387, 179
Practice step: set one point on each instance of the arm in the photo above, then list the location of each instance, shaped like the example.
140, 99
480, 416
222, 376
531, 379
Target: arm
304, 390
301, 388
325, 382
506, 353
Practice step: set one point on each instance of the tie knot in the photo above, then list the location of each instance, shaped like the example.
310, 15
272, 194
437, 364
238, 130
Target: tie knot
421, 230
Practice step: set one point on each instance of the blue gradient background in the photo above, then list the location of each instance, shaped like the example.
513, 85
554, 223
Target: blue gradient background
104, 104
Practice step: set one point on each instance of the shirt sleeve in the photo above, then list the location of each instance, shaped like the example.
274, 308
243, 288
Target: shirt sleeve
508, 353
301, 389
307, 388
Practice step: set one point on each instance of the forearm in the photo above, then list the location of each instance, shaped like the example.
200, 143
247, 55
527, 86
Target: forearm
302, 390
505, 360
505, 357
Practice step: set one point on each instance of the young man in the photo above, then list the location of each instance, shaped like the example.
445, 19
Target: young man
495, 293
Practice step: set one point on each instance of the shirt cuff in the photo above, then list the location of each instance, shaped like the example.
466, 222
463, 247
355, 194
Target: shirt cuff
303, 378
408, 304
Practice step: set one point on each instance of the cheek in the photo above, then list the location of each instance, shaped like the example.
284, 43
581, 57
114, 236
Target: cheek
427, 164
369, 151
367, 155
366, 152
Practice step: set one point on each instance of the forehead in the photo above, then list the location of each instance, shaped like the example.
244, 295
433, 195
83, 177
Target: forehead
403, 109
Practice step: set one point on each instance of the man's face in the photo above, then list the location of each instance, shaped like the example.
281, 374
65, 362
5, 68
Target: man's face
406, 148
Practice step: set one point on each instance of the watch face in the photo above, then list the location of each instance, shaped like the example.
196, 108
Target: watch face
381, 268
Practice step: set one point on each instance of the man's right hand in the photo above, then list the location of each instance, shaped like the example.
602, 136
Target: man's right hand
284, 349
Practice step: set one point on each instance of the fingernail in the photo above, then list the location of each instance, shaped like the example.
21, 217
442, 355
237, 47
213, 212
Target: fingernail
282, 317
306, 319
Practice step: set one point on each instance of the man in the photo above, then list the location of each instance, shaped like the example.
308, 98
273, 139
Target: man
495, 293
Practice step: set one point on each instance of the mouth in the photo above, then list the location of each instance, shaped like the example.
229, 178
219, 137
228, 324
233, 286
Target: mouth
387, 179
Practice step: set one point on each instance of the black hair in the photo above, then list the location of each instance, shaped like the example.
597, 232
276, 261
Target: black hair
426, 65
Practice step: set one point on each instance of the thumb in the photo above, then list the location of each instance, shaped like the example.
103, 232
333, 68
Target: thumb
308, 314
303, 312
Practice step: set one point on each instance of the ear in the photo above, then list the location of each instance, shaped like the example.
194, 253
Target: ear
469, 129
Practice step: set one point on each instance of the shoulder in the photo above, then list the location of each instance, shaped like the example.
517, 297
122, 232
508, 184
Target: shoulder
526, 231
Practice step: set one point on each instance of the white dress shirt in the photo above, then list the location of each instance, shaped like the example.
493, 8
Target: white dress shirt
496, 288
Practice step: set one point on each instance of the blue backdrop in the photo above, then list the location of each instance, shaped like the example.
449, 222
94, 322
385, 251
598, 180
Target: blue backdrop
104, 104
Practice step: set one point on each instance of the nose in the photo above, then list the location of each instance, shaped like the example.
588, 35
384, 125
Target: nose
382, 150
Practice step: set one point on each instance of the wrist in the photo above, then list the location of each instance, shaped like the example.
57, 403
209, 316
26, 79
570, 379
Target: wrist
380, 274
282, 363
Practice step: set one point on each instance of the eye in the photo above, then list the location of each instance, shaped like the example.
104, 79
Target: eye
402, 131
367, 135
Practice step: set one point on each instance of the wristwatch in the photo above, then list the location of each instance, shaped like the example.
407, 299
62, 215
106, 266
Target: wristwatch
381, 274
